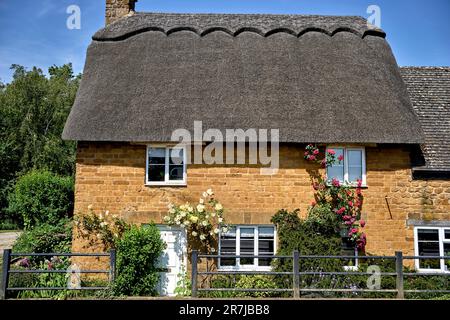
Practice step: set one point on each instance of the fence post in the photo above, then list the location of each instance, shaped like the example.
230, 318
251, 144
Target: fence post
112, 265
399, 270
296, 270
5, 274
194, 262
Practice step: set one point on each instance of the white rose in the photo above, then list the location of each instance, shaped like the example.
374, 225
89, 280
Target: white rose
201, 201
205, 195
99, 236
211, 233
178, 222
186, 222
218, 207
172, 211
224, 229
204, 223
170, 206
194, 234
202, 237
206, 216
213, 214
200, 208
114, 216
209, 192
190, 209
90, 207
213, 250
216, 230
166, 218
107, 213
101, 216
220, 220
194, 219
183, 214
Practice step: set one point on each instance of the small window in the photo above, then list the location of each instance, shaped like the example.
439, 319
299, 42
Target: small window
351, 169
250, 241
166, 165
349, 249
432, 242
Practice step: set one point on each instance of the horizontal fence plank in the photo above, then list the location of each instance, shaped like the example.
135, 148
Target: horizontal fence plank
67, 254
243, 290
231, 272
427, 291
347, 257
223, 256
427, 257
347, 290
344, 273
54, 288
57, 271
423, 273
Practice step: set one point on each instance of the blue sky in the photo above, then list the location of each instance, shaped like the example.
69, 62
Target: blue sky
34, 32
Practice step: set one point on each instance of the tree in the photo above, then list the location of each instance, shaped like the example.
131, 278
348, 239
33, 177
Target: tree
33, 111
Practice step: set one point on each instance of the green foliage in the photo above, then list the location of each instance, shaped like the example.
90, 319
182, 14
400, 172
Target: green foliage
42, 197
256, 282
138, 252
45, 238
33, 110
102, 228
183, 288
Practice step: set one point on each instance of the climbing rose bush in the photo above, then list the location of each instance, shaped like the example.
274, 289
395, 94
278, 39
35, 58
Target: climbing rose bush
345, 201
203, 221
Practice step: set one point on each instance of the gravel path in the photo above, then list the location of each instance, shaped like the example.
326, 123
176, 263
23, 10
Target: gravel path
7, 240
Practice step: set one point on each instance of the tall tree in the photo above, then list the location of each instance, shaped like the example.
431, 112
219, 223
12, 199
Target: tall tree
33, 110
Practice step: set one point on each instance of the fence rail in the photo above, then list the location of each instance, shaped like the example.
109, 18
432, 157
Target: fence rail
296, 274
7, 271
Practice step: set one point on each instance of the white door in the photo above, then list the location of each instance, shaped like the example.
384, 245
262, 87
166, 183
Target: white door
173, 259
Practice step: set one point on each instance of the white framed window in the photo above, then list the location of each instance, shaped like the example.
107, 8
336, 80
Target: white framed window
432, 241
351, 168
349, 249
247, 240
166, 165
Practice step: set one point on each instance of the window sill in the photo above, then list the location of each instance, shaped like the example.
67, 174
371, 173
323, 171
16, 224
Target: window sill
245, 269
351, 185
166, 184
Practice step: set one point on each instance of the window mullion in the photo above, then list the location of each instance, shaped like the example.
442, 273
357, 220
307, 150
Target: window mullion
166, 169
345, 152
441, 248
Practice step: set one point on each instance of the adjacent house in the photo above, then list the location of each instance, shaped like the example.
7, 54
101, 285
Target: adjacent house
328, 80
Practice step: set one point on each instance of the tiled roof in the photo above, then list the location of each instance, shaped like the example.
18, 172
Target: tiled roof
429, 90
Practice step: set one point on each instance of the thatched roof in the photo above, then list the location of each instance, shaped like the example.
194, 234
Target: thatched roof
429, 89
316, 78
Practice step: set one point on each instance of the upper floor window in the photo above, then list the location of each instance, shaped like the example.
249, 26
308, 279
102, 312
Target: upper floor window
166, 165
432, 241
247, 240
351, 169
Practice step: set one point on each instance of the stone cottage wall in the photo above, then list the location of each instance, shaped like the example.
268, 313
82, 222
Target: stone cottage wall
110, 176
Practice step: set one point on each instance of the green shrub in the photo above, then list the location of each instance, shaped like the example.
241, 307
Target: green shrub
41, 197
45, 238
256, 282
138, 252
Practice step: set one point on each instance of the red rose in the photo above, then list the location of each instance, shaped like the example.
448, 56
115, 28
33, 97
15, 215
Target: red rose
350, 204
341, 157
316, 152
313, 203
331, 151
362, 223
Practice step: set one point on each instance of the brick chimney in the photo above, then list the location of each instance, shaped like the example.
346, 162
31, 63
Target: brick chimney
116, 9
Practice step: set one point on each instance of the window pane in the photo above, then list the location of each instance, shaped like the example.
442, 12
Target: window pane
176, 156
156, 155
247, 245
265, 244
447, 254
428, 234
427, 248
156, 172
175, 172
228, 247
348, 249
354, 165
447, 234
336, 171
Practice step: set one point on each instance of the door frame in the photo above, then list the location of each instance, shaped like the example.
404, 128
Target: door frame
184, 259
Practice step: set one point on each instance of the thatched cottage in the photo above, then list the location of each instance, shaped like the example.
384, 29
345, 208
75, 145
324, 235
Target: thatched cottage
328, 80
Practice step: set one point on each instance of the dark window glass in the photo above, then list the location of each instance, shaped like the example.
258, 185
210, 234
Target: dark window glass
247, 245
176, 164
228, 247
447, 254
428, 241
447, 234
156, 164
348, 249
265, 245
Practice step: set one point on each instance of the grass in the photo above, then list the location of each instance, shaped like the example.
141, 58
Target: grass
5, 231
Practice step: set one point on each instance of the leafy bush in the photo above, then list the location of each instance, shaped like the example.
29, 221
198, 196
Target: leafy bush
41, 197
138, 252
45, 238
256, 282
